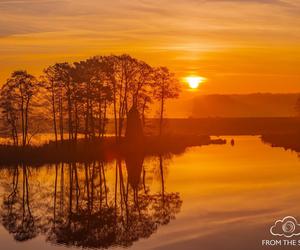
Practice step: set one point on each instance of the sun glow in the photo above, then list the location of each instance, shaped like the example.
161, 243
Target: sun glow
194, 81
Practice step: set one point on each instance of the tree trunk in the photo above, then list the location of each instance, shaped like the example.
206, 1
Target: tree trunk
115, 110
143, 112
61, 119
26, 121
87, 112
100, 116
76, 121
22, 119
104, 119
53, 111
70, 125
92, 120
161, 116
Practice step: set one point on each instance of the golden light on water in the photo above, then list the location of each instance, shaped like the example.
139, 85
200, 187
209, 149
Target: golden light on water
194, 81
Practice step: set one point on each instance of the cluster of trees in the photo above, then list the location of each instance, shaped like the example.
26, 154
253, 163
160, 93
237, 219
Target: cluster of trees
81, 96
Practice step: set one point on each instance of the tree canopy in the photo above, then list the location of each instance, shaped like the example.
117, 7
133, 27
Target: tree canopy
79, 97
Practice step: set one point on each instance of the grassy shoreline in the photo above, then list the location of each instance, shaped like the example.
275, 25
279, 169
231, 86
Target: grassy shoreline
104, 149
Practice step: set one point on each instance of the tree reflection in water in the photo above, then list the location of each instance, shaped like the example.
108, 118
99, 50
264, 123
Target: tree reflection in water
16, 213
85, 208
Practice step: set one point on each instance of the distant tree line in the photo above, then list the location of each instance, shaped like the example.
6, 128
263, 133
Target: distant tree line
79, 97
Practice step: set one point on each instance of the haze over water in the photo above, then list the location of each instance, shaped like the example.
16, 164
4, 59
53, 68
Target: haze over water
215, 197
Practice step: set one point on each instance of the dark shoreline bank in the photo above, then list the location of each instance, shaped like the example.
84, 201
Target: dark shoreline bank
286, 141
105, 149
232, 126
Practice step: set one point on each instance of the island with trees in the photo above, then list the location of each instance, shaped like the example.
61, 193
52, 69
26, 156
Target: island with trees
87, 104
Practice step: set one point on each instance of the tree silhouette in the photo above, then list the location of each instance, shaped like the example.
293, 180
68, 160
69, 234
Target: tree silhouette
57, 81
16, 102
165, 87
79, 96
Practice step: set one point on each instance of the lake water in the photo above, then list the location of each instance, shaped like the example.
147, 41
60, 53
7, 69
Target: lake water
211, 197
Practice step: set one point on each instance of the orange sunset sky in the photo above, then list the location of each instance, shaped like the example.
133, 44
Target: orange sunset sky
240, 46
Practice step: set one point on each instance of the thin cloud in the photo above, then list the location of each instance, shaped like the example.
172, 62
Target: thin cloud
173, 32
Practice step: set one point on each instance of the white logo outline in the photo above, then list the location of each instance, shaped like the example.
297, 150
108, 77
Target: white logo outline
288, 227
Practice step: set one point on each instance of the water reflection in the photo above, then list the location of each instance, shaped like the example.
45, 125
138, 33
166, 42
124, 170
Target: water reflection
16, 212
232, 196
94, 205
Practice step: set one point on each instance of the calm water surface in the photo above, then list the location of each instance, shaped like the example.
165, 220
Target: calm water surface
212, 197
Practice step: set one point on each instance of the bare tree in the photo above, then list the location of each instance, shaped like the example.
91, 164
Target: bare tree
16, 95
130, 81
49, 82
10, 113
119, 73
165, 87
57, 80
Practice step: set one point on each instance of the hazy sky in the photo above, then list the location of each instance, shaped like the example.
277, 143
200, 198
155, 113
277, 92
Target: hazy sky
240, 46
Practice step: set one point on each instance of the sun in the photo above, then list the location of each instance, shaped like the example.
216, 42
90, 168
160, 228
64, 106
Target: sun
194, 81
